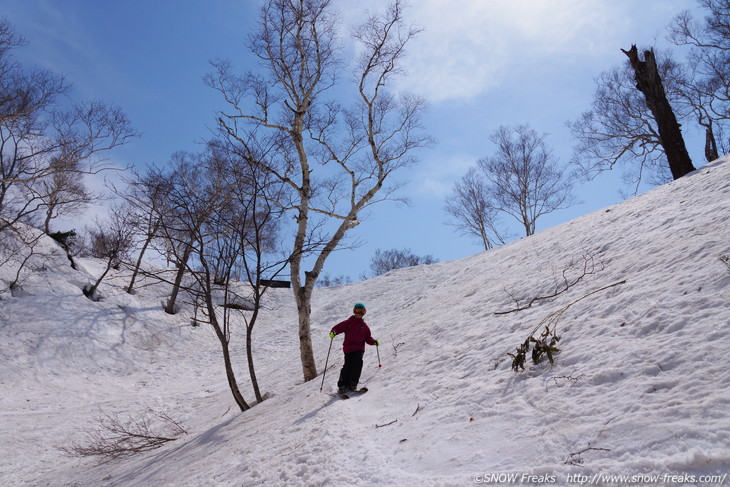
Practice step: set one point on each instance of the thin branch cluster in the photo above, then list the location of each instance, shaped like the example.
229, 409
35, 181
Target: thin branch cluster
567, 281
115, 436
545, 346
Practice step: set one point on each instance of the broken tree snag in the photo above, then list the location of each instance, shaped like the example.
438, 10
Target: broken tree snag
711, 152
650, 84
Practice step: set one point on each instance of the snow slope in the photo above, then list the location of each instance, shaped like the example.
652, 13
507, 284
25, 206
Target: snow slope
641, 388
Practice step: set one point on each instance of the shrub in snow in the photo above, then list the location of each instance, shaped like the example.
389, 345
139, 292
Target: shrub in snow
545, 346
542, 347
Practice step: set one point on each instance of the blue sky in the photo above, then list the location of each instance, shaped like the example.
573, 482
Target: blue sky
480, 64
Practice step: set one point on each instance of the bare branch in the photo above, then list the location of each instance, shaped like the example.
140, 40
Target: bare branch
589, 268
115, 437
575, 459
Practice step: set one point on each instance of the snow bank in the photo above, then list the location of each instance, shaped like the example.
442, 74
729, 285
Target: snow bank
640, 388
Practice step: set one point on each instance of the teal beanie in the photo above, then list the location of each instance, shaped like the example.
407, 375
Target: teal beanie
359, 306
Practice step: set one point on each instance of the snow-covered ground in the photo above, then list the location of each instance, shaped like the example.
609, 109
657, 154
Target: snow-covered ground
641, 388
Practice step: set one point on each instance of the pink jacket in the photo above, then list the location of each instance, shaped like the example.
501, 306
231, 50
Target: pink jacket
357, 334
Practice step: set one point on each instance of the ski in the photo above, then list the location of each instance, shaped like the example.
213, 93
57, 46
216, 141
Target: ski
362, 390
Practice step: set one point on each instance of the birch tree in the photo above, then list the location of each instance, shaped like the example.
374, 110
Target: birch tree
62, 193
335, 160
145, 194
523, 177
226, 222
110, 240
470, 206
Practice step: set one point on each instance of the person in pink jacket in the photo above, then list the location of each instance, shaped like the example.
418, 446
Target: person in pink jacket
357, 334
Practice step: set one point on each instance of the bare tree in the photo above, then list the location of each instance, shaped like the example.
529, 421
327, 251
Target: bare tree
111, 241
620, 130
698, 96
326, 280
226, 212
212, 251
388, 260
707, 89
62, 193
39, 139
183, 214
470, 205
639, 128
649, 82
334, 161
145, 195
524, 178
255, 226
66, 146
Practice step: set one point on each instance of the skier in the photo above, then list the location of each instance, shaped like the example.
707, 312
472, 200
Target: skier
357, 334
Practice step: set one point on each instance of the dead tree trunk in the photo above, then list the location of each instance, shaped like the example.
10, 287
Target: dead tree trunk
650, 84
711, 152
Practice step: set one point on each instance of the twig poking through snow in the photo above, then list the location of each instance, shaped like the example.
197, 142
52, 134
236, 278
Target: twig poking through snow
579, 461
396, 346
726, 260
568, 378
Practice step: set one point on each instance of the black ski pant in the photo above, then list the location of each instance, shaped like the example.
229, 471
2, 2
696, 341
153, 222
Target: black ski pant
351, 370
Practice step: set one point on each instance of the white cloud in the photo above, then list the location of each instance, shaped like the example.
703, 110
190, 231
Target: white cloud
470, 46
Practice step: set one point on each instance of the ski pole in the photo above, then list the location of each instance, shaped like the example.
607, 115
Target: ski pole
325, 364
377, 349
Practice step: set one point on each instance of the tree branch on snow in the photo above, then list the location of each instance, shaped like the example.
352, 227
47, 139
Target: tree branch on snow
557, 379
589, 267
115, 437
576, 460
396, 346
542, 347
726, 260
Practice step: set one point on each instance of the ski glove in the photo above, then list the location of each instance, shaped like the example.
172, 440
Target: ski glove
332, 334
377, 343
